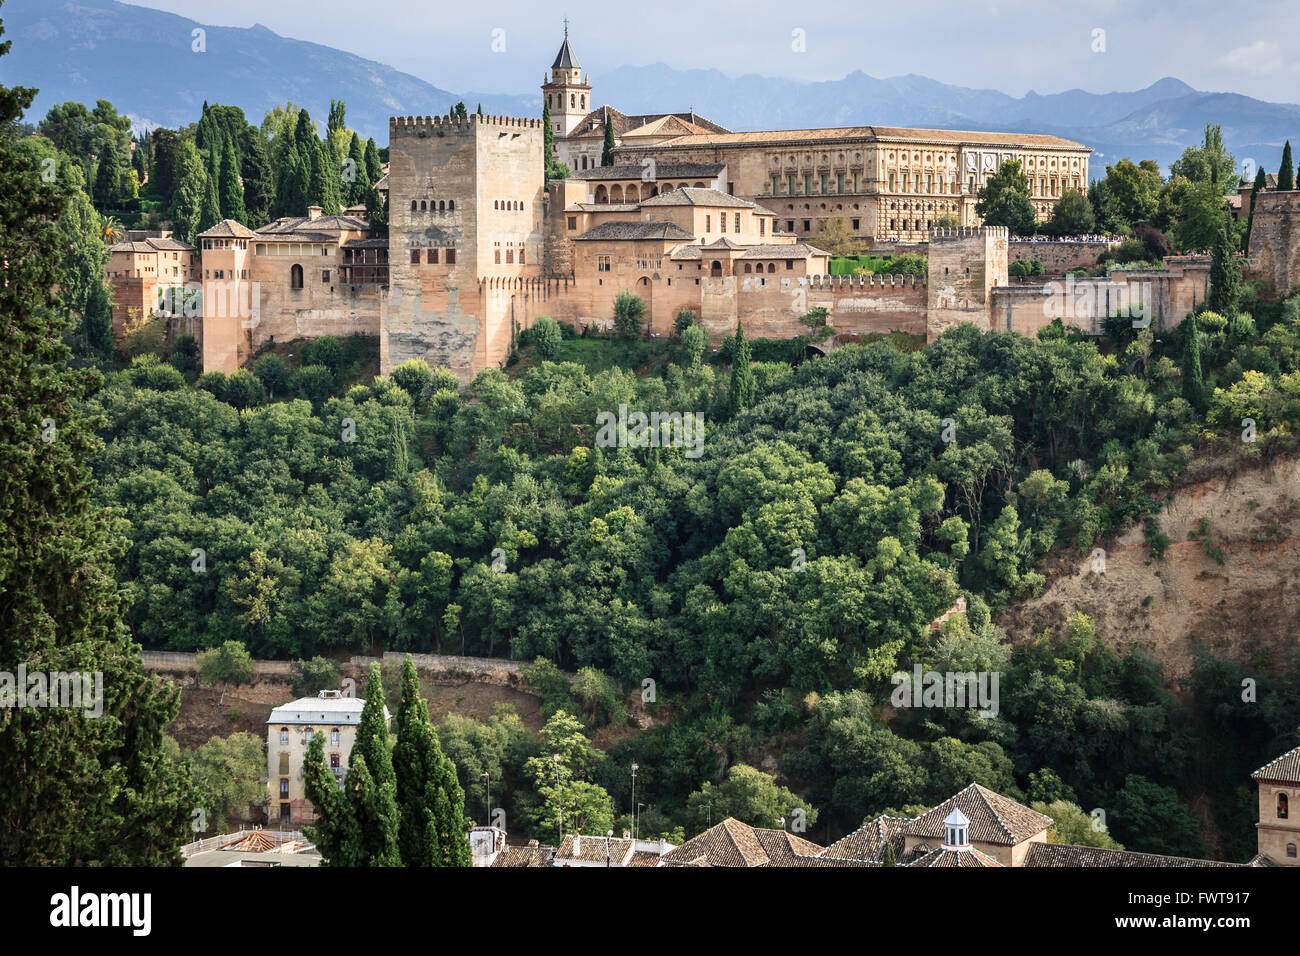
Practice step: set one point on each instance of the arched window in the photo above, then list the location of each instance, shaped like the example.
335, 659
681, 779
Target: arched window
413, 206
601, 195
442, 205
771, 267
334, 737
582, 101
496, 204
572, 101
716, 268
284, 735
423, 207
748, 268
616, 193
1282, 807
451, 205
295, 276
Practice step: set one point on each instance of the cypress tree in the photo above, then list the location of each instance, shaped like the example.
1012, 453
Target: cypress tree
187, 196
743, 387
607, 154
333, 832
76, 789
1225, 275
1193, 380
1286, 175
355, 191
374, 168
887, 858
1260, 184
230, 192
548, 141
372, 730
371, 837
259, 182
210, 211
429, 796
108, 177
330, 179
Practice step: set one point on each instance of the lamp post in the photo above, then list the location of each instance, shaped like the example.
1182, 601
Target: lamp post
487, 799
635, 767
559, 801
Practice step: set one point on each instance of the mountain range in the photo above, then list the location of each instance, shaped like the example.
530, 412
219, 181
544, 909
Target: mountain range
142, 60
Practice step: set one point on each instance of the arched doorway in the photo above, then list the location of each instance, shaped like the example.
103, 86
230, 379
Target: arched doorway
716, 268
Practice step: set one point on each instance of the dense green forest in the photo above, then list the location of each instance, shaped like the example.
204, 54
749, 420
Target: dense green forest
768, 588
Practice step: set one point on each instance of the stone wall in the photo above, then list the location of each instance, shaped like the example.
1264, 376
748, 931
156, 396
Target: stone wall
1059, 258
1275, 240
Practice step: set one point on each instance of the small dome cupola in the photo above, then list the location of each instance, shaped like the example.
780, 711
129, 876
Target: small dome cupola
957, 827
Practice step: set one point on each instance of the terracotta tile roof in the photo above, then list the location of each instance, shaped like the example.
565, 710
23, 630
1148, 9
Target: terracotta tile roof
593, 124
868, 841
955, 856
695, 196
868, 134
525, 856
228, 229
604, 207
662, 171
298, 224
993, 818
729, 843
1284, 769
594, 849
668, 231
794, 250
1064, 855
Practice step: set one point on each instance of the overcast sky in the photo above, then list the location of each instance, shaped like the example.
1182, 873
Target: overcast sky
1008, 45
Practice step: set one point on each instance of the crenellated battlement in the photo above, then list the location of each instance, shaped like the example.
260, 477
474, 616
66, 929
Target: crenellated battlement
969, 232
451, 125
868, 282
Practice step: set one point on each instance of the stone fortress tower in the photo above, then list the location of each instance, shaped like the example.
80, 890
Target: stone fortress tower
966, 264
466, 216
1275, 239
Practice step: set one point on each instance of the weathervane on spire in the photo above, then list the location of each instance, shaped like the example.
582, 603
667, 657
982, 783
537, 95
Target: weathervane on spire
566, 28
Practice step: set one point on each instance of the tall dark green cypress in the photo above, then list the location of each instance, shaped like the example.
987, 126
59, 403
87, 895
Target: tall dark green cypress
1286, 175
76, 789
743, 387
210, 211
429, 795
1225, 275
108, 181
332, 832
548, 141
374, 168
355, 188
607, 153
1261, 183
230, 193
1193, 378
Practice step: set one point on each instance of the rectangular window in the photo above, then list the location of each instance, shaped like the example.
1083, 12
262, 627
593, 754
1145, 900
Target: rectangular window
284, 764
497, 256
857, 224
284, 735
431, 257
573, 222
602, 263
451, 257
708, 223
415, 257
737, 222
723, 220
789, 225
521, 255
807, 225
789, 263
284, 789
762, 224
325, 275
510, 256
334, 737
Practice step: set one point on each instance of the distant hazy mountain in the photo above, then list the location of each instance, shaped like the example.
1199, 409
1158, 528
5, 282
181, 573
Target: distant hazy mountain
141, 59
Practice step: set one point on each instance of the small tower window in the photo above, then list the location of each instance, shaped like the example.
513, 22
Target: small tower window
1290, 850
295, 276
1282, 807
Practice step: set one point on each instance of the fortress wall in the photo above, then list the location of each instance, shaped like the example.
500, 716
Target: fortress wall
1059, 258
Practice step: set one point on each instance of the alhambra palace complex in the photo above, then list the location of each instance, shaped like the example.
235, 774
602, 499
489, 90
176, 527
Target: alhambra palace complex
690, 215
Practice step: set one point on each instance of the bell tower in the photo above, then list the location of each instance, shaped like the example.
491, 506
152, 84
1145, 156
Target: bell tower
568, 92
